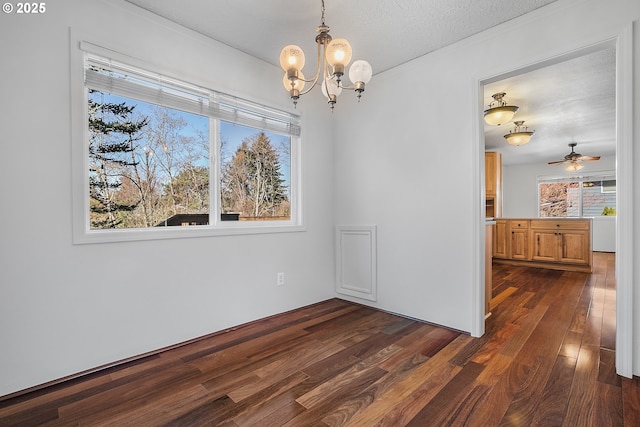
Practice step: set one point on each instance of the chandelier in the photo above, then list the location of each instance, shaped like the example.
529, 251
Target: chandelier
333, 57
499, 112
519, 135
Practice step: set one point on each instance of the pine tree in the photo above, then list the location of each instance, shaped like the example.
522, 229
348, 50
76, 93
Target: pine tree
251, 181
113, 133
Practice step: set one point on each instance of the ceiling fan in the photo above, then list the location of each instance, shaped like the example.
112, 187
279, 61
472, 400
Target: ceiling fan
573, 159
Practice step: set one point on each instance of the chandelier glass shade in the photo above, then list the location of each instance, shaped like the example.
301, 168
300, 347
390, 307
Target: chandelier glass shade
519, 135
499, 112
333, 58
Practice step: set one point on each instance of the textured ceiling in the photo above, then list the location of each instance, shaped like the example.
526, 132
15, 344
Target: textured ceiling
384, 32
573, 101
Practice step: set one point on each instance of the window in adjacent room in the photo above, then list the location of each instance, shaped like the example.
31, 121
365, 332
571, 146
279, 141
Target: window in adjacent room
164, 153
586, 196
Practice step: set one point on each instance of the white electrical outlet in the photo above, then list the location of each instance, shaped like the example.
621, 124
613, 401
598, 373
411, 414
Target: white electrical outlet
280, 280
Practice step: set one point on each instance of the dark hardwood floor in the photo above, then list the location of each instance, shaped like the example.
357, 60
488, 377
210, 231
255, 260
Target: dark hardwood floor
546, 359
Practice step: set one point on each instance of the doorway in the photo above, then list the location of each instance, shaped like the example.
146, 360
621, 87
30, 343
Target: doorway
615, 54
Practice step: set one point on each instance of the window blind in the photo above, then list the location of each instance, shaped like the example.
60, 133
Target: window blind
106, 75
603, 176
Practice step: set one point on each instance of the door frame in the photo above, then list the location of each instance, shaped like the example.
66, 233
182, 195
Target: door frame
623, 42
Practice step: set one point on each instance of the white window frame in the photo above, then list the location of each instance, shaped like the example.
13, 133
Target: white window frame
594, 176
82, 233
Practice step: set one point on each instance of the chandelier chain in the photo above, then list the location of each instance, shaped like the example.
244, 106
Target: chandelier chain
322, 12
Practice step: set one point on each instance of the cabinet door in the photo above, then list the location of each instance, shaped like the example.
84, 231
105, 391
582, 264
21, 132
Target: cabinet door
500, 239
574, 247
490, 173
520, 243
545, 245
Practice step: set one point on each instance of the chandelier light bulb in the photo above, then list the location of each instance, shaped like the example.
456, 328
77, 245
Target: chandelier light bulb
297, 85
292, 57
339, 53
360, 71
330, 88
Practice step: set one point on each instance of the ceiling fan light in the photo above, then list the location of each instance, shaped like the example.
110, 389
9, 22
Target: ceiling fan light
573, 166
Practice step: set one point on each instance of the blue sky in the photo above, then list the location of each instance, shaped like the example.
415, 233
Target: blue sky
231, 133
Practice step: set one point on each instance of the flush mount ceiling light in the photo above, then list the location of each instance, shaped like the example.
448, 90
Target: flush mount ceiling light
333, 57
499, 112
519, 135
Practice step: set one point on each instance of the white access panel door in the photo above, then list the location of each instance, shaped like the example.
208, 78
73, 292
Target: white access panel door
356, 261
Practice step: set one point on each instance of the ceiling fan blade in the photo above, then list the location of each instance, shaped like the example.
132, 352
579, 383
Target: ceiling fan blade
588, 158
556, 162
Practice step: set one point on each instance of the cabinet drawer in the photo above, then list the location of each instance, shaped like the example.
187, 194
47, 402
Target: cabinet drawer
560, 224
519, 223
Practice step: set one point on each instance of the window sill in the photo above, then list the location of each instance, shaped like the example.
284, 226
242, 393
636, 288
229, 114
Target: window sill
195, 231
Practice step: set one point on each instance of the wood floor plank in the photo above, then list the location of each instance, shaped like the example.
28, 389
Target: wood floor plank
412, 346
631, 401
607, 368
499, 298
521, 336
317, 405
282, 368
406, 409
442, 410
343, 380
493, 405
361, 400
143, 388
608, 406
551, 408
582, 401
139, 411
521, 410
265, 401
429, 372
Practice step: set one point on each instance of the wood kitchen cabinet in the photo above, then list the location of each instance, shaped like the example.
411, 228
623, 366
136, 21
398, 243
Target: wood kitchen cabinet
500, 238
563, 244
493, 184
561, 241
519, 248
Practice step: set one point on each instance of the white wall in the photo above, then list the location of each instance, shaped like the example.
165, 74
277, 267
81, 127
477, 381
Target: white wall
405, 156
61, 310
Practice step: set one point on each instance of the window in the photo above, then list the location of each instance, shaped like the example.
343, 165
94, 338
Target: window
161, 153
587, 196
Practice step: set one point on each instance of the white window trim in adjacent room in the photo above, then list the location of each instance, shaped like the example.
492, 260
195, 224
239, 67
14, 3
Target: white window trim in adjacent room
593, 176
216, 105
